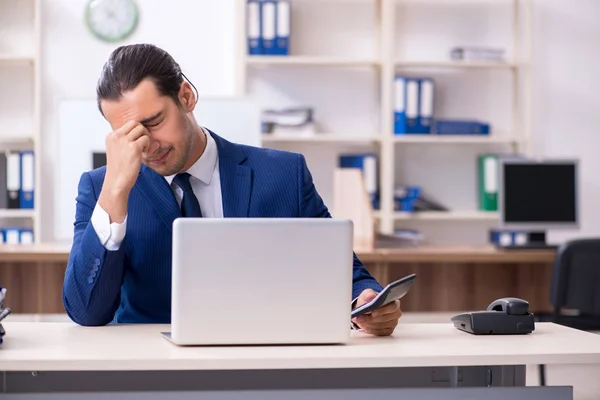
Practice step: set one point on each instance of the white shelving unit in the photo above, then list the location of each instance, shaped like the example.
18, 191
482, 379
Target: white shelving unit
457, 64
322, 138
447, 216
4, 213
386, 64
442, 216
14, 142
20, 53
6, 58
456, 139
317, 61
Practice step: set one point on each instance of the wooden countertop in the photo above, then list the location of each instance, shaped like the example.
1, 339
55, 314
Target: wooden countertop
456, 254
59, 252
46, 252
69, 347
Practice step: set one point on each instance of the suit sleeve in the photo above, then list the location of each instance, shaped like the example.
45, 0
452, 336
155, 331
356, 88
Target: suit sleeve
93, 278
312, 206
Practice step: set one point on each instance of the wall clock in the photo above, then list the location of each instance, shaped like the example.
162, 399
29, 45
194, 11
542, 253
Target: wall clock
111, 20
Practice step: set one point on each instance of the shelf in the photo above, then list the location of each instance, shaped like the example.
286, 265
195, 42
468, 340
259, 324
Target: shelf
457, 64
17, 213
389, 60
448, 216
453, 139
450, 3
346, 61
320, 138
15, 58
312, 60
15, 143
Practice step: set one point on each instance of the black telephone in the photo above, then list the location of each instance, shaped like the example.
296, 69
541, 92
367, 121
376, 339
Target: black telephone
506, 316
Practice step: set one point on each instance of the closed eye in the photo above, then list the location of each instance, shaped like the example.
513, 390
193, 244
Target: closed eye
153, 125
146, 121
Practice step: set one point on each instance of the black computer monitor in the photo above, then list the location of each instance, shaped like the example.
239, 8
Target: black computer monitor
538, 195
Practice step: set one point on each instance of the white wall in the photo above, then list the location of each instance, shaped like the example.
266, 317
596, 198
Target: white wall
567, 96
566, 58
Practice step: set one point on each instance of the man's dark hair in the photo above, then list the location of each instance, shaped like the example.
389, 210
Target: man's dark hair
128, 65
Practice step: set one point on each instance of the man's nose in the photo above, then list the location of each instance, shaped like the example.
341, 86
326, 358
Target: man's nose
154, 146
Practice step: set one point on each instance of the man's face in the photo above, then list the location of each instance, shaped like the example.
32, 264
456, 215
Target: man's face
172, 134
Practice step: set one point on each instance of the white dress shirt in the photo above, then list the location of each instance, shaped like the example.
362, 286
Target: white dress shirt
206, 184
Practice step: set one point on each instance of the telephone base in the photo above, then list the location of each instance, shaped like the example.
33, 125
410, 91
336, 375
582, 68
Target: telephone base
494, 323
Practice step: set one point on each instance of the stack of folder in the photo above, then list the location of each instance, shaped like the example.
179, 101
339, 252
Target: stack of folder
17, 186
460, 127
413, 108
488, 166
17, 180
268, 27
488, 178
14, 235
297, 121
414, 111
412, 199
477, 53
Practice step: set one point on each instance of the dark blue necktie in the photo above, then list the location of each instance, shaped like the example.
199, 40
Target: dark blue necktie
189, 204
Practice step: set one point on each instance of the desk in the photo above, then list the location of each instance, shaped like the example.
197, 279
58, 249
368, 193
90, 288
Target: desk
460, 277
59, 252
63, 357
34, 275
43, 253
455, 254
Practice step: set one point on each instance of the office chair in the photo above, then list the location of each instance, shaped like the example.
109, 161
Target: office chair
575, 289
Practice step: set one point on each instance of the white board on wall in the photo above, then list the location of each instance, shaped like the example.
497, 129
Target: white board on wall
82, 131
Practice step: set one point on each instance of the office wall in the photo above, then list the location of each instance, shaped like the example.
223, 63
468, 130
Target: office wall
567, 96
565, 33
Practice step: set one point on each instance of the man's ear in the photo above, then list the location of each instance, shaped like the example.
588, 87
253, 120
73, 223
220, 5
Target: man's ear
187, 99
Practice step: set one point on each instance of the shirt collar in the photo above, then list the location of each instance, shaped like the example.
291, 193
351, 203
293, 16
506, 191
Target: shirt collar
204, 167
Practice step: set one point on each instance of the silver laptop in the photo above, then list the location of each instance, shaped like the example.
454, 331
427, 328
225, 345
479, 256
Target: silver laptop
261, 281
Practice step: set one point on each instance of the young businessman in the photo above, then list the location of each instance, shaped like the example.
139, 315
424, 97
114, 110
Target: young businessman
161, 165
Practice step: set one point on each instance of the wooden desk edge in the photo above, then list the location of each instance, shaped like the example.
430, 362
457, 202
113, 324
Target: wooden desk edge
44, 253
424, 254
456, 254
452, 258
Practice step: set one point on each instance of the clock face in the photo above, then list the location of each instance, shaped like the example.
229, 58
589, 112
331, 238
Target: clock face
111, 20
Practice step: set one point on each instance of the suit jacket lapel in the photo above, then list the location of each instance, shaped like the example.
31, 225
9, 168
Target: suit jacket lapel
159, 195
236, 179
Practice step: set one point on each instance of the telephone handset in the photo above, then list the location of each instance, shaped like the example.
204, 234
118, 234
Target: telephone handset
510, 306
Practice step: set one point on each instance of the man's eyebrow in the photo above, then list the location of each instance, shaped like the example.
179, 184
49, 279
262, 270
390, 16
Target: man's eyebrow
150, 119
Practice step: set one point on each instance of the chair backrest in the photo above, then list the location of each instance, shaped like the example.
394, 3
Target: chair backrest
576, 279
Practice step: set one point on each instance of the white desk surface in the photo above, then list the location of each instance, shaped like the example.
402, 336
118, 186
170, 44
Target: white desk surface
66, 347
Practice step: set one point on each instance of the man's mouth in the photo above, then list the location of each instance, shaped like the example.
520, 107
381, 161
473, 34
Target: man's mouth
162, 158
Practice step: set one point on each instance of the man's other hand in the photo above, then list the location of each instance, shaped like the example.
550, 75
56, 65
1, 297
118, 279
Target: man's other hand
381, 321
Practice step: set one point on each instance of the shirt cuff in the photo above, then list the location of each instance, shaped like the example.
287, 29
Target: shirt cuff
111, 235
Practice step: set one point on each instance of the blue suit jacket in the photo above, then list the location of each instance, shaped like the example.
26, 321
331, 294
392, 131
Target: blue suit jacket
133, 284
